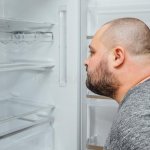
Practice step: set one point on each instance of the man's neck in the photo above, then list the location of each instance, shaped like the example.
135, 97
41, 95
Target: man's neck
122, 91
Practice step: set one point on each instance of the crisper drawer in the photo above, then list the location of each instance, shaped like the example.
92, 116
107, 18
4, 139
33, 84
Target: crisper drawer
39, 137
24, 124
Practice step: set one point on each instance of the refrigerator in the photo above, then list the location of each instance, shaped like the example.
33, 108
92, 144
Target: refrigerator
44, 103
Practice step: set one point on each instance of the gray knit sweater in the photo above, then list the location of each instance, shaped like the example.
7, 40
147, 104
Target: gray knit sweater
131, 126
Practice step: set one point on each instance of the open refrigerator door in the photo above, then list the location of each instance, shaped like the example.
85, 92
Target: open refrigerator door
98, 111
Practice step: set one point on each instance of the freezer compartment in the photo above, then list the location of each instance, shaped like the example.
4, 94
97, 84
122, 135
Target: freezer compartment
39, 137
100, 117
17, 115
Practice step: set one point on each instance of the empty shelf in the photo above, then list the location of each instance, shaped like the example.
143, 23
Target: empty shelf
24, 31
34, 65
40, 135
11, 25
17, 115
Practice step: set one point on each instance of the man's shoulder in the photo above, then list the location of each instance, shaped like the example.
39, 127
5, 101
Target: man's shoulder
135, 106
137, 97
130, 126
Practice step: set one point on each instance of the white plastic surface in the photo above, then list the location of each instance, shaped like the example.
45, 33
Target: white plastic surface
100, 12
17, 115
44, 86
37, 138
101, 114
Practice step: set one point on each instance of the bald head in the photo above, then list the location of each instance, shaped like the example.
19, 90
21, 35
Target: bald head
131, 33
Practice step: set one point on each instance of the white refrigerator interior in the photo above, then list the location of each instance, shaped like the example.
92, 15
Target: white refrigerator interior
98, 111
39, 74
44, 103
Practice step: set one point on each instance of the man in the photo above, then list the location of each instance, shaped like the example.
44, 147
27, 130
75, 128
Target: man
119, 67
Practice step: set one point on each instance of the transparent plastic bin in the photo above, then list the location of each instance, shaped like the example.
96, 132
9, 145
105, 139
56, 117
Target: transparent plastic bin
22, 41
40, 137
18, 115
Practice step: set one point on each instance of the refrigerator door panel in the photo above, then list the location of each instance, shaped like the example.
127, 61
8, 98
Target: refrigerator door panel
100, 12
98, 111
101, 114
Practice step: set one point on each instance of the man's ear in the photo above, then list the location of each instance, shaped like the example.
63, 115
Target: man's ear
118, 56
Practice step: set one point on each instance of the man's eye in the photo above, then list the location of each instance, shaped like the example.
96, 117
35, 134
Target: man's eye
91, 53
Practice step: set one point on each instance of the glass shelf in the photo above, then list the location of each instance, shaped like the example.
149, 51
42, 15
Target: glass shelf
24, 31
91, 95
18, 115
40, 136
26, 37
11, 25
27, 65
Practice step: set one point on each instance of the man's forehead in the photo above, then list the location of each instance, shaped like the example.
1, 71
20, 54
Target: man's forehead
97, 39
96, 45
101, 31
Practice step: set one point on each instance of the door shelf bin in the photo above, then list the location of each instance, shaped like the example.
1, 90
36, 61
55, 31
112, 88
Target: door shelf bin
18, 115
99, 121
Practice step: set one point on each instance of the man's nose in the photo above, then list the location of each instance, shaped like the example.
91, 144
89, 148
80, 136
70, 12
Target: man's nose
86, 64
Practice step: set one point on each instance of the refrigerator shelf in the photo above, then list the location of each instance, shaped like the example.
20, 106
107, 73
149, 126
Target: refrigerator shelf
91, 95
27, 65
28, 37
12, 25
94, 147
24, 31
41, 133
107, 9
94, 96
17, 115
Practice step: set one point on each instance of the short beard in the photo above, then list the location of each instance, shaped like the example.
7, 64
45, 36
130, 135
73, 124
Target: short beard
104, 83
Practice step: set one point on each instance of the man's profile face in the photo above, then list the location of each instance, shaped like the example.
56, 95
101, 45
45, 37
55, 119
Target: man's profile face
100, 79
